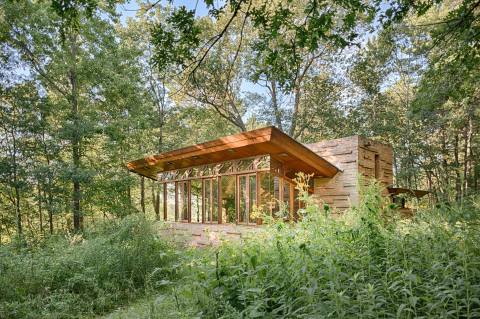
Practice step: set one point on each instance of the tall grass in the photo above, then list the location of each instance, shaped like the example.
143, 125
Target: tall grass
83, 276
365, 264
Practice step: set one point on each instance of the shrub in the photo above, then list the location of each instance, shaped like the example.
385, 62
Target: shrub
70, 277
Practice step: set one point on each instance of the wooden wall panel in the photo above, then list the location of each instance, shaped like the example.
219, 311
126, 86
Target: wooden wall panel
341, 190
353, 155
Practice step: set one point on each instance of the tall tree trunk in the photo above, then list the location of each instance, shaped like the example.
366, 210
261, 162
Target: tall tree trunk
40, 212
466, 134
276, 107
142, 193
296, 112
129, 195
49, 198
76, 139
18, 212
458, 184
445, 174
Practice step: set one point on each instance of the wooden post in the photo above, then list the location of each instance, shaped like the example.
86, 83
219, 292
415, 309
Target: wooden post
238, 193
165, 216
176, 201
189, 199
292, 201
219, 199
247, 197
203, 201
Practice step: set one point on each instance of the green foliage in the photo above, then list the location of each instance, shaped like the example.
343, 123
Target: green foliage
70, 277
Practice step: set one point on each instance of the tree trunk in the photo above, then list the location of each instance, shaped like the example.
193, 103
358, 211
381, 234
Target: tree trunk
276, 107
458, 184
129, 195
76, 139
49, 198
465, 161
40, 212
18, 212
142, 193
296, 111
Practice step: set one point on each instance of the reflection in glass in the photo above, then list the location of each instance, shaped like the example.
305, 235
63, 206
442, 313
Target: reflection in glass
228, 199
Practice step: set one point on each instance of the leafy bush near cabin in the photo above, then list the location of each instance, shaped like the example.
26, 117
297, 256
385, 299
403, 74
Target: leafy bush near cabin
367, 264
83, 276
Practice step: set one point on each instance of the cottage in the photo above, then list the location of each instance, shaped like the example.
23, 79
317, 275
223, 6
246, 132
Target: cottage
228, 180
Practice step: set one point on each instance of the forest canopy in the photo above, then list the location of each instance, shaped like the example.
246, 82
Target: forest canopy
86, 86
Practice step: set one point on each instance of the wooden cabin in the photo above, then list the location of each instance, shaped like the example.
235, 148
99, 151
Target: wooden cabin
230, 180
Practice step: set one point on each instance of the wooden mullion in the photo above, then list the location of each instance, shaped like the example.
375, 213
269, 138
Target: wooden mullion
237, 197
211, 200
176, 201
219, 199
189, 201
257, 186
247, 197
203, 201
292, 201
165, 216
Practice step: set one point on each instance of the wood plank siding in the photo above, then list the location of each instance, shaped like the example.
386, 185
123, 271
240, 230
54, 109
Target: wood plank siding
352, 155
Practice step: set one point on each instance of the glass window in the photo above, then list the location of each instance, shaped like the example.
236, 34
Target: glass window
208, 200
183, 200
214, 199
159, 202
286, 198
196, 200
243, 199
211, 211
252, 196
228, 199
276, 193
170, 201
266, 192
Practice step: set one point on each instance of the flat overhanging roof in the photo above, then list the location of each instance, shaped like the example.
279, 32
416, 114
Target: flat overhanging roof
264, 141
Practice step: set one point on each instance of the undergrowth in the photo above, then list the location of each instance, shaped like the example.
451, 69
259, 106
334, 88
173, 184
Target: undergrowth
365, 263
84, 275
